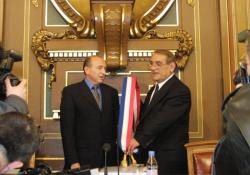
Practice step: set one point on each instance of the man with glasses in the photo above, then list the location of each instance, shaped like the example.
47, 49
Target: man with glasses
164, 120
19, 139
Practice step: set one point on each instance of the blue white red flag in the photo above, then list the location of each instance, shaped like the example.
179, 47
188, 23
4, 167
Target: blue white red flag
129, 112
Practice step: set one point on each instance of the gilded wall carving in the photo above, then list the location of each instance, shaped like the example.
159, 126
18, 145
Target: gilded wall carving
149, 19
111, 24
35, 3
40, 51
82, 25
185, 44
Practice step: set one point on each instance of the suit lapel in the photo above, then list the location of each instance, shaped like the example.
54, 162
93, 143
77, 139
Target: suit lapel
147, 99
88, 94
165, 89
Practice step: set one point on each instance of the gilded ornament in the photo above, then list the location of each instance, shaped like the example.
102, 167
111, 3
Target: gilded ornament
185, 44
150, 19
35, 3
40, 51
190, 2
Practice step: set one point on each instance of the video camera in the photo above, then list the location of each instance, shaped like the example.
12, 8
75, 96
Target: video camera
44, 169
7, 59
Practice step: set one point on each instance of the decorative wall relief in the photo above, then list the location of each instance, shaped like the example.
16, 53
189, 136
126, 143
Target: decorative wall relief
185, 44
149, 19
38, 47
82, 25
191, 3
35, 3
111, 24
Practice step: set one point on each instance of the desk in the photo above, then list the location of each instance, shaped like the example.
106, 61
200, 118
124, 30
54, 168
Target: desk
131, 170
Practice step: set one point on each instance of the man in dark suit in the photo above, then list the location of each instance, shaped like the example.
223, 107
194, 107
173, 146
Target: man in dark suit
232, 153
89, 115
164, 121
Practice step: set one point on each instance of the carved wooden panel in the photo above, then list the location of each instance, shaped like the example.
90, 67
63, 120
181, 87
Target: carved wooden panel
202, 71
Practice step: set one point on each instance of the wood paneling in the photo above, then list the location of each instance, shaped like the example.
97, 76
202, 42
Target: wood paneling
211, 24
1, 20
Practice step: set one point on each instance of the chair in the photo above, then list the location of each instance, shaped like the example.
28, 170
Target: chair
199, 155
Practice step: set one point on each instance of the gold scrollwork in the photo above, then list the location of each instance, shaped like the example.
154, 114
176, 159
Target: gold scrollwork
150, 19
190, 2
185, 44
83, 27
40, 51
35, 3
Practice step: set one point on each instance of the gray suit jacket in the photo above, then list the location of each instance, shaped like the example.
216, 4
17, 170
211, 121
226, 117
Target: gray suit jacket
13, 103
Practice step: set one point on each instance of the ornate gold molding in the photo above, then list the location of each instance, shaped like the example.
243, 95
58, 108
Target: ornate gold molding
150, 19
191, 3
35, 3
83, 26
112, 30
40, 51
185, 44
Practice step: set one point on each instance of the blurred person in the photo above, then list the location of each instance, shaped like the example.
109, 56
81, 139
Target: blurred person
19, 139
88, 117
164, 120
237, 79
232, 153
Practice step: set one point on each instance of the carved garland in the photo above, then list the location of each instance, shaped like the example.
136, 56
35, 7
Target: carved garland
47, 64
38, 47
185, 44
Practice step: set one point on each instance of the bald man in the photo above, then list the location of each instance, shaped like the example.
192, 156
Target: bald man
89, 115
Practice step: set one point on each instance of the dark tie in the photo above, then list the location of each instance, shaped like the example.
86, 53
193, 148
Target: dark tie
96, 95
155, 92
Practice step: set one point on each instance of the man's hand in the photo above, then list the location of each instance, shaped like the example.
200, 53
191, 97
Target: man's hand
75, 166
19, 90
133, 144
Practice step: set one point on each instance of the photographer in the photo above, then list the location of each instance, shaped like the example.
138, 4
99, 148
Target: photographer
12, 90
15, 98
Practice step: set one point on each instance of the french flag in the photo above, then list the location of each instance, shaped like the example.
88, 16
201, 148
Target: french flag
129, 112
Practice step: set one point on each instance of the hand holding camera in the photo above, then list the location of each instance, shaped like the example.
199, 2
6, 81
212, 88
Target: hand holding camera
19, 90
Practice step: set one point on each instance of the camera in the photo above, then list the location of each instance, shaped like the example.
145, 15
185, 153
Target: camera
40, 169
44, 169
7, 59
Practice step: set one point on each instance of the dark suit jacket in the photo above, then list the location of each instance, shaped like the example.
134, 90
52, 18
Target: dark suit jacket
164, 124
85, 128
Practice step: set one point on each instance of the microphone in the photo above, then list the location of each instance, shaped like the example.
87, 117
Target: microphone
106, 147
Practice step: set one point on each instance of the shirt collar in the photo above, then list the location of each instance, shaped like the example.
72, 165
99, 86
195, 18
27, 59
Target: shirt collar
89, 84
163, 82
